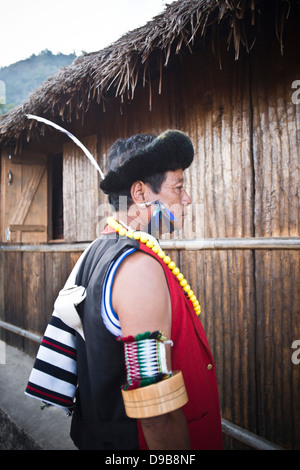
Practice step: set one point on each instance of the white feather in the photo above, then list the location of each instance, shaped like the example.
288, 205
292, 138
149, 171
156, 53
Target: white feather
77, 142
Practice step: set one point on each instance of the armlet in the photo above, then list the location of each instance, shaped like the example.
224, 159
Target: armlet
157, 399
151, 389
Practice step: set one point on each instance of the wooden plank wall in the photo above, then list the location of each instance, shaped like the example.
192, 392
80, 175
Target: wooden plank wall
276, 155
80, 191
30, 282
221, 184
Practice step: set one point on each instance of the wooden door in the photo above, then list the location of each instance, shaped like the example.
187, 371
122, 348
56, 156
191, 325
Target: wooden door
24, 211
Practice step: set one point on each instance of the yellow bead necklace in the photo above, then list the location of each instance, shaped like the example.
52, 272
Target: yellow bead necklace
142, 237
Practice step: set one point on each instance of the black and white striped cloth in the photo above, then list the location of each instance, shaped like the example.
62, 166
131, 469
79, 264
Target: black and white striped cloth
53, 379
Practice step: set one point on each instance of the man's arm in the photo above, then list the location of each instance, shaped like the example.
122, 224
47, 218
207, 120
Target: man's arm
141, 298
166, 432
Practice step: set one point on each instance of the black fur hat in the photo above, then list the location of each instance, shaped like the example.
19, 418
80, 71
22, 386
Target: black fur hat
170, 151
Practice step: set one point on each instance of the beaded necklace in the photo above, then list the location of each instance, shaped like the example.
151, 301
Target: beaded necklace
144, 238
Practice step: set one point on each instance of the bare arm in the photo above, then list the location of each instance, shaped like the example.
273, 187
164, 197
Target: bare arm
167, 432
141, 298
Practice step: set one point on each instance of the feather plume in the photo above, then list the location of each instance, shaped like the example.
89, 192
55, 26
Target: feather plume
77, 142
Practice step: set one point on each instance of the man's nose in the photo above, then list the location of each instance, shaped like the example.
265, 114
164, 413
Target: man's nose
186, 200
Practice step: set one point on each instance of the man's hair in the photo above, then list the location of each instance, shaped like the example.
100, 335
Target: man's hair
120, 151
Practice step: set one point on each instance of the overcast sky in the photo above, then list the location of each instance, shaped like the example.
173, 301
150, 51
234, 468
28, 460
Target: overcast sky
30, 26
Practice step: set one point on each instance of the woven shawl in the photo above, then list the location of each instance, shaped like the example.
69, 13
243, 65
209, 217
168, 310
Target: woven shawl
53, 378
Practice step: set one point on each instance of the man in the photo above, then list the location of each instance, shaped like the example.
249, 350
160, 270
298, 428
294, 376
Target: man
132, 288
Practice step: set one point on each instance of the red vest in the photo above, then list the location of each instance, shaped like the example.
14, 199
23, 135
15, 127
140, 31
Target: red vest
191, 355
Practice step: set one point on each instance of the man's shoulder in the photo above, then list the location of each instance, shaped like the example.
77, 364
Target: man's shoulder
139, 261
140, 295
139, 270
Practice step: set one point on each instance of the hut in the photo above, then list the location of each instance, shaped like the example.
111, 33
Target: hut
228, 74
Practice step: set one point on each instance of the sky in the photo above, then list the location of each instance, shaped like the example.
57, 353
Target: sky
30, 26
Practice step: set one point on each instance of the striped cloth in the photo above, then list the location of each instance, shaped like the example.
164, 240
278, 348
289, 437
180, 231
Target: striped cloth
145, 359
53, 379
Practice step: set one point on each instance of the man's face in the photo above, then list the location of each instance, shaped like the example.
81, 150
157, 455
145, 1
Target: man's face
173, 195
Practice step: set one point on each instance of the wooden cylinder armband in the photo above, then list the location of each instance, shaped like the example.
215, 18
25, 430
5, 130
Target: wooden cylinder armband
156, 399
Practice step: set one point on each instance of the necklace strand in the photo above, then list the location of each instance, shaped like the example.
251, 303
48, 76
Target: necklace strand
143, 238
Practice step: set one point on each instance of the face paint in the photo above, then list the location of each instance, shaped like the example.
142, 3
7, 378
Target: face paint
162, 219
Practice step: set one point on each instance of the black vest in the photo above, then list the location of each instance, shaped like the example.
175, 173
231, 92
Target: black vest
99, 420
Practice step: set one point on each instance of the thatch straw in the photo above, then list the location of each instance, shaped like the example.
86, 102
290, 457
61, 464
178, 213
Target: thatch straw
117, 70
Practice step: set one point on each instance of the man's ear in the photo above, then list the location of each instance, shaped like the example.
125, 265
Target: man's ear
137, 192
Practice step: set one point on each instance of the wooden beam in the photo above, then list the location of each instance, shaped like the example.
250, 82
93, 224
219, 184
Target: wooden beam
27, 228
211, 244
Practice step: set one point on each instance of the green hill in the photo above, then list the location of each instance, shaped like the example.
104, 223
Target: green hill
23, 77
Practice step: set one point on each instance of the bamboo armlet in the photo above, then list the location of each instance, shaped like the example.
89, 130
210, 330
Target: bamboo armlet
156, 399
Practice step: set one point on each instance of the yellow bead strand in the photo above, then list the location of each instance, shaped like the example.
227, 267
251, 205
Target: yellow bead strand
165, 258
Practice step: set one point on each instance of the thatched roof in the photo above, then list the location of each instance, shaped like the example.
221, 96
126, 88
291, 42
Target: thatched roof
115, 71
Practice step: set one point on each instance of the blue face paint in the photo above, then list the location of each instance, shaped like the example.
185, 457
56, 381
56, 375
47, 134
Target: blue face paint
162, 219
